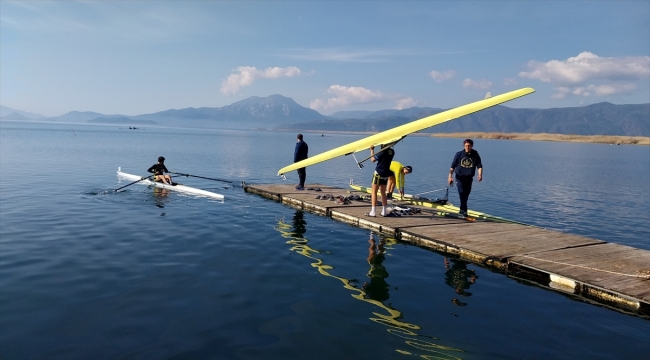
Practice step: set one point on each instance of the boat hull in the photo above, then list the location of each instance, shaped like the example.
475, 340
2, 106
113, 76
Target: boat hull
179, 188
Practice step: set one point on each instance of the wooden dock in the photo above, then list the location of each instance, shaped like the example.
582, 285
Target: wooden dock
612, 275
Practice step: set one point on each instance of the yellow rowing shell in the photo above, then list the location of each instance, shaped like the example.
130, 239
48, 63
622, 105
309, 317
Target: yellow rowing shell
396, 134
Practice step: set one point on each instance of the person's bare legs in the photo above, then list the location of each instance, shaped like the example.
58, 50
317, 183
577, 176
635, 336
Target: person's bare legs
373, 199
384, 198
163, 179
391, 185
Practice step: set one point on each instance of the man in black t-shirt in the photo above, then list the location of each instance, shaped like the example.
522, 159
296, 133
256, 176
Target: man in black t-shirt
464, 166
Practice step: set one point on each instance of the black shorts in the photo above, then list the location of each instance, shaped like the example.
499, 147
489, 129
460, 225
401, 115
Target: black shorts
378, 180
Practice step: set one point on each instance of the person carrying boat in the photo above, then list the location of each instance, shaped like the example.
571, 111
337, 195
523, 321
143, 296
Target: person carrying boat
380, 178
464, 166
299, 154
399, 171
159, 169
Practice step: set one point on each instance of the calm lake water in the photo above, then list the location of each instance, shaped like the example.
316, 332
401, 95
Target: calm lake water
86, 273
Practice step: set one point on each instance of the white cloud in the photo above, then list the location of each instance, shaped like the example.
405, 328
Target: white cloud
590, 75
611, 89
510, 82
246, 75
351, 95
347, 95
562, 92
442, 76
405, 103
578, 70
476, 84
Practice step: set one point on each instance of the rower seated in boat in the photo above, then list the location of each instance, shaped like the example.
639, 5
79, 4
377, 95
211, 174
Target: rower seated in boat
159, 171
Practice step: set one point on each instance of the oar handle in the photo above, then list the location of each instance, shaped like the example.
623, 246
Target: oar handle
144, 178
201, 177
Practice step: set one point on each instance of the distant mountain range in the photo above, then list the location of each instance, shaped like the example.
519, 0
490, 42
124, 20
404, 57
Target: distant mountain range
249, 113
9, 113
596, 119
279, 112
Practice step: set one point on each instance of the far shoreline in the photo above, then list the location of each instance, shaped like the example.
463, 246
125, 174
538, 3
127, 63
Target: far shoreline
595, 139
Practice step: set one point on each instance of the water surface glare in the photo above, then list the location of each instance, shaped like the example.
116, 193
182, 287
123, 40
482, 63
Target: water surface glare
87, 273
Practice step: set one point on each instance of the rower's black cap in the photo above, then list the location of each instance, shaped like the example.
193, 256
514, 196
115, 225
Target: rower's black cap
410, 169
161, 158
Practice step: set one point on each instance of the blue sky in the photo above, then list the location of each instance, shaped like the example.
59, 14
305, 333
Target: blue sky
121, 57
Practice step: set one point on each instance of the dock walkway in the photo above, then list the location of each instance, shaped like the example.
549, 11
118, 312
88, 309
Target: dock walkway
609, 274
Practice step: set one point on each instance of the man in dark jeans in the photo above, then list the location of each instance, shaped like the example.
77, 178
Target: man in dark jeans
464, 165
298, 155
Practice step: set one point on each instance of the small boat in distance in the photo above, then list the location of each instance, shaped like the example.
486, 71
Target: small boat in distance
179, 188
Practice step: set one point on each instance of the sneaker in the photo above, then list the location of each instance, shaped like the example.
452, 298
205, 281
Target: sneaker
300, 187
389, 196
462, 215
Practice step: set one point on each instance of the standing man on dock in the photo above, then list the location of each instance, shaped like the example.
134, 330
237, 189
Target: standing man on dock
299, 154
464, 165
380, 177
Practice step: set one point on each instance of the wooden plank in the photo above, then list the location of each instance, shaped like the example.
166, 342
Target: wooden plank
613, 267
517, 240
630, 257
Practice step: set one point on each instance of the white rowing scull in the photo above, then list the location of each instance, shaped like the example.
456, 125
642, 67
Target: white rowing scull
179, 188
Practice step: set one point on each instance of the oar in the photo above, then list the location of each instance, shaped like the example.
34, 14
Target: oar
383, 148
202, 177
137, 181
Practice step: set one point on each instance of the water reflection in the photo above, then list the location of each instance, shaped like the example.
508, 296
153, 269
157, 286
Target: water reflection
374, 291
161, 196
299, 223
459, 278
377, 287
